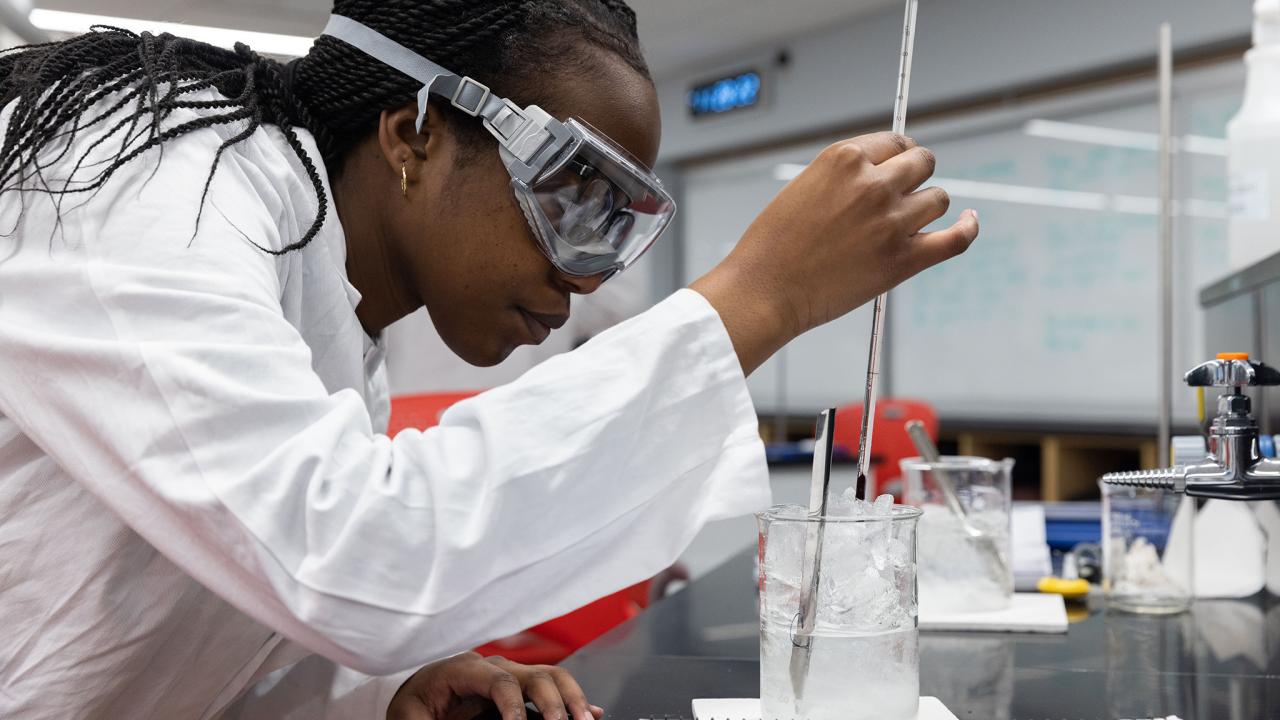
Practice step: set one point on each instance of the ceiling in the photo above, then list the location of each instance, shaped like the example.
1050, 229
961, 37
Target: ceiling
680, 34
677, 34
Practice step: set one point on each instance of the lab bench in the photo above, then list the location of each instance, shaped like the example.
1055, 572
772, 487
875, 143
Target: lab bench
1219, 662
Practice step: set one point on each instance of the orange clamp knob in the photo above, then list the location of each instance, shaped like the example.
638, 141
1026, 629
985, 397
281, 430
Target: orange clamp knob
1233, 356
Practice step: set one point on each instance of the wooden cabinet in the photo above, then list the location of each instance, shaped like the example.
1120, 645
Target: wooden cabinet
1056, 466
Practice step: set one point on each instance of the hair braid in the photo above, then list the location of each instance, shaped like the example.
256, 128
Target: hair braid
58, 90
622, 10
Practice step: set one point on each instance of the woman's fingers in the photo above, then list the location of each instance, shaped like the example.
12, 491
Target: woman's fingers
541, 688
552, 690
880, 147
922, 207
465, 685
501, 688
859, 155
928, 249
574, 698
909, 170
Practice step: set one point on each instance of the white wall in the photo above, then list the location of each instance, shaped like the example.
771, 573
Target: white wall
964, 48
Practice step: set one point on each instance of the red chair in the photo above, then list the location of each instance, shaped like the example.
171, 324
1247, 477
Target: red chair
590, 621
890, 441
422, 411
554, 640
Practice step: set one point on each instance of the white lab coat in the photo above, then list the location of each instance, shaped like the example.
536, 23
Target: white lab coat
194, 490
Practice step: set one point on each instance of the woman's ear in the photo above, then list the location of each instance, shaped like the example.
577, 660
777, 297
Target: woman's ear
405, 148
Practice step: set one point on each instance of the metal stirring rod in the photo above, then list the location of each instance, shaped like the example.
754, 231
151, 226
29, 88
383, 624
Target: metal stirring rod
878, 310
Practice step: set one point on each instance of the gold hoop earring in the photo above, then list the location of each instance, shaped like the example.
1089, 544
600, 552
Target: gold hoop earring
404, 181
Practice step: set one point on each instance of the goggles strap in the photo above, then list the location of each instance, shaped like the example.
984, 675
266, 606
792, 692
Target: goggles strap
504, 119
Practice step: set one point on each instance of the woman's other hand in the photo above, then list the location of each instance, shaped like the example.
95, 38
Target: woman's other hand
463, 686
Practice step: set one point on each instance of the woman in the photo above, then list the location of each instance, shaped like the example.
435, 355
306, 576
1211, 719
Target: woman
203, 247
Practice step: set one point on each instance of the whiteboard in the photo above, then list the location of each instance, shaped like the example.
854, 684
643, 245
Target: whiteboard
1051, 315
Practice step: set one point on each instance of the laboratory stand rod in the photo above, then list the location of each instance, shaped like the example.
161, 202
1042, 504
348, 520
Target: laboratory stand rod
1167, 151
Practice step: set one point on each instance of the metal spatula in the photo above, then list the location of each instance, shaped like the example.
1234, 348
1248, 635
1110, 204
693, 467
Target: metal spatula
929, 453
811, 569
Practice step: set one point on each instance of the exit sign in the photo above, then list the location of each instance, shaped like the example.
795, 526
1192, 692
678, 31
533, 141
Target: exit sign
727, 94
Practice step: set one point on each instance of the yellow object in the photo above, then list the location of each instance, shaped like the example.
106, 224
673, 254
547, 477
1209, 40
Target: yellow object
1066, 588
1200, 404
1233, 356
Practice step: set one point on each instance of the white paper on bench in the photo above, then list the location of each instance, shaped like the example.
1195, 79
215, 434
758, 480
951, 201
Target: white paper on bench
1029, 612
931, 708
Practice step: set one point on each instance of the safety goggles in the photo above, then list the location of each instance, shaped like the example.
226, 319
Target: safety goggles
593, 208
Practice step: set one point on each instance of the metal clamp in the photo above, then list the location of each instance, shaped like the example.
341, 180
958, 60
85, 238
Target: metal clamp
1234, 469
462, 87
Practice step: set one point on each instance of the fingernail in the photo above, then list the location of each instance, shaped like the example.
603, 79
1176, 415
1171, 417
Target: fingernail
585, 715
974, 213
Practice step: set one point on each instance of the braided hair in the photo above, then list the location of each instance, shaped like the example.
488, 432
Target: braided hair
335, 92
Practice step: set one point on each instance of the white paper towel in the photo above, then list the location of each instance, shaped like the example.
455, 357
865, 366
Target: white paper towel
1031, 556
749, 709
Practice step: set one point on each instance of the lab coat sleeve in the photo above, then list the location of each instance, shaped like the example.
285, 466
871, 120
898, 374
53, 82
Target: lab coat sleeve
169, 384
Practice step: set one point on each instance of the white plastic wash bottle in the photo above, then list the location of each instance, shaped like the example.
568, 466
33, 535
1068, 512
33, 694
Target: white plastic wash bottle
1253, 138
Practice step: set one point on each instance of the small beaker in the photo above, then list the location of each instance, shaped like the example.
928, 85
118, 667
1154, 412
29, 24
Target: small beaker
863, 658
966, 563
1147, 549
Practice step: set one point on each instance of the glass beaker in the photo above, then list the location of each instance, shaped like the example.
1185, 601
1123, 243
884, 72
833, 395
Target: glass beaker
966, 564
1147, 549
863, 657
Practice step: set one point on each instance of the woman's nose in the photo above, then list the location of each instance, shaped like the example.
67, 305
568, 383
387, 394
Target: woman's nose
582, 285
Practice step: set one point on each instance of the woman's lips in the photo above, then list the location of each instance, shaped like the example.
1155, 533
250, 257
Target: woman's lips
541, 325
